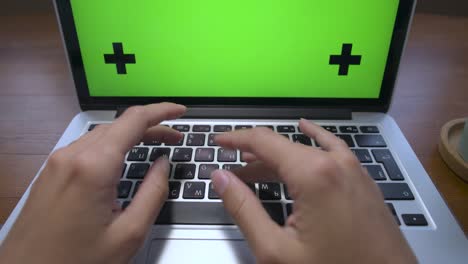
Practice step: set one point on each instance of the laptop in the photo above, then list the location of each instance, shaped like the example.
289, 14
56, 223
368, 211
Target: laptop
242, 64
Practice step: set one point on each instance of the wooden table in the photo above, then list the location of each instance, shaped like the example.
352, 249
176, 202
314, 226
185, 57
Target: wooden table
37, 99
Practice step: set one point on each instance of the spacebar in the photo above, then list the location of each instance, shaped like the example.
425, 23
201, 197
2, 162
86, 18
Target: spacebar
193, 213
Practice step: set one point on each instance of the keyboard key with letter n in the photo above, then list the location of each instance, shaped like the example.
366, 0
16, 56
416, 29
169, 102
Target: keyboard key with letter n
396, 191
194, 213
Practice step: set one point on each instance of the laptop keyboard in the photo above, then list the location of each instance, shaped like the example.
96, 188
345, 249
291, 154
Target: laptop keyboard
193, 201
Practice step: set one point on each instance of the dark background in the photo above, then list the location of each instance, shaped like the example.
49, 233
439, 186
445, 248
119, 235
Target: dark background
443, 7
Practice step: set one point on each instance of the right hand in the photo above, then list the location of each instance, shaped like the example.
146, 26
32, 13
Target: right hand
339, 214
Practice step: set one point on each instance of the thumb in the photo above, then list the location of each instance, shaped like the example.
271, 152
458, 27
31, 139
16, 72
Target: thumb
246, 210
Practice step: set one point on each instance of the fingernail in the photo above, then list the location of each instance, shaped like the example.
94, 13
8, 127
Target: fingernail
220, 181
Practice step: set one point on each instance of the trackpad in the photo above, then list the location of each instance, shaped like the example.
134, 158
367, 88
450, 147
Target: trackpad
199, 251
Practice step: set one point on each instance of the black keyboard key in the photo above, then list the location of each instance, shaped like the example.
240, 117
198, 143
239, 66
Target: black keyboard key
199, 213
156, 153
267, 126
269, 191
331, 129
181, 128
385, 157
204, 154
201, 128
137, 186
212, 194
227, 155
184, 171
182, 154
137, 170
289, 208
275, 210
414, 219
125, 205
222, 128
395, 216
303, 139
123, 190
242, 127
179, 143
138, 154
231, 167
348, 129
92, 127
396, 191
151, 142
194, 190
211, 141
370, 141
174, 190
205, 170
363, 155
376, 172
369, 129
286, 193
196, 140
348, 139
285, 129
391, 208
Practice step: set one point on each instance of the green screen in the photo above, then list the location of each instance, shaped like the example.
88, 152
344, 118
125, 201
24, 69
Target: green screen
239, 48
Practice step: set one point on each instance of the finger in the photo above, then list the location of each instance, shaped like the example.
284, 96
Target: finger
269, 147
162, 134
128, 129
248, 157
87, 139
327, 140
150, 197
256, 172
242, 204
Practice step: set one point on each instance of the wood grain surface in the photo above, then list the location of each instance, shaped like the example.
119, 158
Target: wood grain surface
37, 99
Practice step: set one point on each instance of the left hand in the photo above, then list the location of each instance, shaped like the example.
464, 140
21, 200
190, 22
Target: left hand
71, 214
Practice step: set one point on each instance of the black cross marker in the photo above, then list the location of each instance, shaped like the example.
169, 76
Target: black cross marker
119, 58
345, 59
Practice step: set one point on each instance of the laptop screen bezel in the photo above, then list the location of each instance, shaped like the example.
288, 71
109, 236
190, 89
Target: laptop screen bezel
381, 104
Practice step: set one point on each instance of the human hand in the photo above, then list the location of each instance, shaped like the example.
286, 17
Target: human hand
339, 215
71, 215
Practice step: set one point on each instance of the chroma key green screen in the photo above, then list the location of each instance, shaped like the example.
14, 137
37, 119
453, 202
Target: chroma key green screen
235, 48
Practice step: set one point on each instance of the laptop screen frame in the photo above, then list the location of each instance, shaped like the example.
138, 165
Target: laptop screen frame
87, 102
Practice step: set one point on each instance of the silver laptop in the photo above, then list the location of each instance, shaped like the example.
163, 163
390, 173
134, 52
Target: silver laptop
242, 64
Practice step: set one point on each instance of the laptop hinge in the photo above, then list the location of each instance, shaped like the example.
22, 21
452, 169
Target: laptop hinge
217, 112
